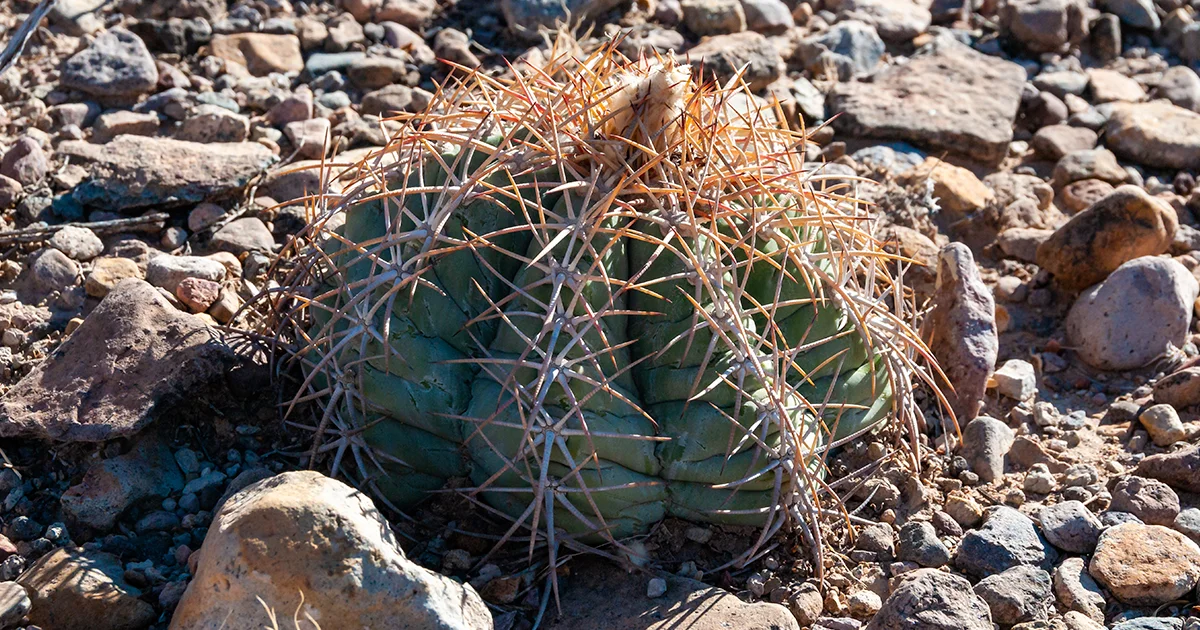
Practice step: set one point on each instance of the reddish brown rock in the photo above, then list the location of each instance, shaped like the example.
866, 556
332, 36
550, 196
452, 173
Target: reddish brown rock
197, 293
1126, 224
961, 329
132, 355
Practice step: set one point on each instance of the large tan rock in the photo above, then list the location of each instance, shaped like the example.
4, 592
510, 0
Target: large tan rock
1126, 224
304, 533
599, 595
84, 590
1145, 565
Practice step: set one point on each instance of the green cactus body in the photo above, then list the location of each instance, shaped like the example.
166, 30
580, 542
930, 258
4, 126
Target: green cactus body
595, 346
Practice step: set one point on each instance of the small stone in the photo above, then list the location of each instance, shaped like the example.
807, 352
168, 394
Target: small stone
14, 604
109, 125
1044, 25
864, 604
1016, 379
116, 64
1155, 134
25, 162
1187, 522
1017, 595
52, 270
1180, 469
964, 510
310, 137
985, 443
958, 190
344, 32
918, 542
656, 587
1150, 500
107, 272
1006, 539
204, 216
78, 243
713, 17
748, 53
1070, 526
1163, 424
853, 40
260, 53
212, 123
1134, 316
243, 235
168, 271
1136, 13
1099, 163
1109, 85
961, 331
197, 294
1076, 590
932, 600
1039, 481
1055, 141
1181, 86
1146, 565
1079, 196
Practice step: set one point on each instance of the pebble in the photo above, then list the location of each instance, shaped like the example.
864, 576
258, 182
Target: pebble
115, 64
1016, 379
243, 235
986, 441
79, 243
1017, 595
1162, 422
107, 272
1187, 522
1145, 565
961, 331
864, 604
656, 587
1006, 539
14, 604
25, 162
964, 510
1039, 480
1077, 591
168, 271
747, 53
918, 542
229, 577
197, 294
109, 125
1152, 501
1157, 134
260, 53
932, 600
1070, 526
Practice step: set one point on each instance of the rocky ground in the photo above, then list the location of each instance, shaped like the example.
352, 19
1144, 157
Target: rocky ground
1038, 156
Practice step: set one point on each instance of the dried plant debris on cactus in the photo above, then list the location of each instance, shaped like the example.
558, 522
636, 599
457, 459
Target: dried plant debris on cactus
605, 294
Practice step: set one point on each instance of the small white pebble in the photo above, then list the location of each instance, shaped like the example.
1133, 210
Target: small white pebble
657, 587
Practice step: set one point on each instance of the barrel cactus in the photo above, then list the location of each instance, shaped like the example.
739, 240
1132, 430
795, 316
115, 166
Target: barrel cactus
597, 298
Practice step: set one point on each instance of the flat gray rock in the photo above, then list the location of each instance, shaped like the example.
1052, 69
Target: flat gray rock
953, 98
134, 172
